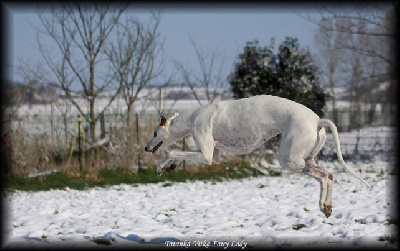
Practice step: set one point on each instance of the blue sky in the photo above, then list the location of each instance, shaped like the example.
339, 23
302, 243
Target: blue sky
226, 29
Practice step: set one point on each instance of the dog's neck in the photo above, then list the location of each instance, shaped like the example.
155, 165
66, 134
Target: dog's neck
179, 126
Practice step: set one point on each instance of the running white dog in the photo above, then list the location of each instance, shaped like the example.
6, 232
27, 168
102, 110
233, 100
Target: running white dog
241, 126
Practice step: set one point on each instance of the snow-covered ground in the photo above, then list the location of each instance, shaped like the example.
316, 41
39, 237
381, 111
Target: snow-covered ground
253, 212
249, 213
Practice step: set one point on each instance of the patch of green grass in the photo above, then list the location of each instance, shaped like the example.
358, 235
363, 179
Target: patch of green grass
168, 184
380, 174
361, 221
101, 241
328, 223
389, 238
43, 183
274, 172
107, 177
390, 221
298, 226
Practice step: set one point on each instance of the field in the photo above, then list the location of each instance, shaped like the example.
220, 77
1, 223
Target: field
278, 209
274, 211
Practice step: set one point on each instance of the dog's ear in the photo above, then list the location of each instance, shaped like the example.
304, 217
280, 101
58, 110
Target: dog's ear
163, 121
171, 118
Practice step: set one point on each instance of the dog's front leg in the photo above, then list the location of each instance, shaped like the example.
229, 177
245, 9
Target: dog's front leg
195, 156
163, 163
161, 166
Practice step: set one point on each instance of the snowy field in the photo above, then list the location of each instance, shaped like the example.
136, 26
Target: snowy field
238, 214
277, 212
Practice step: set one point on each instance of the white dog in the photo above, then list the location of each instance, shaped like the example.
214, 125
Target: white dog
241, 126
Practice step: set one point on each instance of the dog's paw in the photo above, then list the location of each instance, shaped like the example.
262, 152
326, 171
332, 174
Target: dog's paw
160, 170
170, 168
327, 210
159, 173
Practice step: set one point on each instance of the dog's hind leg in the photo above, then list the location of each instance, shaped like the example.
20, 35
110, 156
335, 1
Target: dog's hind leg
327, 176
297, 150
329, 181
324, 177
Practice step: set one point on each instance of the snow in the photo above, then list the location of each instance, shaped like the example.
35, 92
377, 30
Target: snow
251, 212
148, 100
247, 213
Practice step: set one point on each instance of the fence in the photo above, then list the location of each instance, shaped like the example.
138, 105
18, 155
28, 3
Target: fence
41, 143
378, 118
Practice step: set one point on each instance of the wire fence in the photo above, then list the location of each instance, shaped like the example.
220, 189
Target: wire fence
346, 121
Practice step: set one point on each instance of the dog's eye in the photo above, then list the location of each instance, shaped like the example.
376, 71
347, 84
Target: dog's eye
155, 134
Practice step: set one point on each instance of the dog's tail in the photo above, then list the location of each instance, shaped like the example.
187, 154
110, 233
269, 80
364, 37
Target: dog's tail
332, 126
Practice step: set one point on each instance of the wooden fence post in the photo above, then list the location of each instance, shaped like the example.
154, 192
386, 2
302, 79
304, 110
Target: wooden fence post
137, 140
102, 126
79, 143
183, 149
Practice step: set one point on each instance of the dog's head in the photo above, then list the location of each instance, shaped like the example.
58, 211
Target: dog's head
161, 134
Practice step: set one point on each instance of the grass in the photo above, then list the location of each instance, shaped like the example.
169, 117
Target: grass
389, 238
107, 177
100, 241
298, 226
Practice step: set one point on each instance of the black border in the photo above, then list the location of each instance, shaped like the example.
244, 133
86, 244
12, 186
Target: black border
205, 6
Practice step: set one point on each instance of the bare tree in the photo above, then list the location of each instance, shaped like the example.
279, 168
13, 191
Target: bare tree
80, 34
368, 35
355, 61
330, 58
134, 57
379, 23
210, 78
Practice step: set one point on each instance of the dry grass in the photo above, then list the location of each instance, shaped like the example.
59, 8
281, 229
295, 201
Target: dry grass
30, 153
46, 152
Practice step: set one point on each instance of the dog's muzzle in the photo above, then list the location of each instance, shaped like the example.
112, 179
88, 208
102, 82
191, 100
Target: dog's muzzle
154, 149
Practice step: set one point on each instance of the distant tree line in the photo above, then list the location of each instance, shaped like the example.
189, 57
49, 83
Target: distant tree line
33, 92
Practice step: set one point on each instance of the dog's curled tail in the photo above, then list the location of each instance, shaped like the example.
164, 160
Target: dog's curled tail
332, 126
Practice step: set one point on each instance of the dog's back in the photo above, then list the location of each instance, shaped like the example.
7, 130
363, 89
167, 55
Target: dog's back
266, 110
240, 126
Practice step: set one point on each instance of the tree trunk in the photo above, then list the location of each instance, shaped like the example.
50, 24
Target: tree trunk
128, 114
91, 102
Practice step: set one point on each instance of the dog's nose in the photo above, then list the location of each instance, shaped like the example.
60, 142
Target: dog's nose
145, 148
